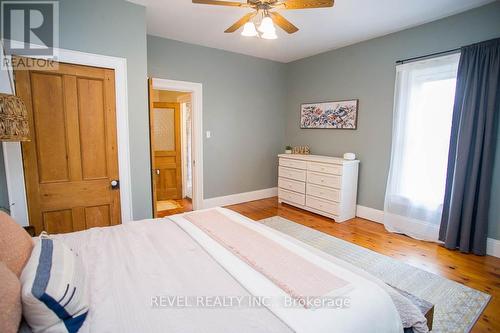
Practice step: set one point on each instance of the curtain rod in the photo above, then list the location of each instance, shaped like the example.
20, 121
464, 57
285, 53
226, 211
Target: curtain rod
399, 62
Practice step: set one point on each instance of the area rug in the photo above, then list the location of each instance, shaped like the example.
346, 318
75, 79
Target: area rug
167, 205
456, 307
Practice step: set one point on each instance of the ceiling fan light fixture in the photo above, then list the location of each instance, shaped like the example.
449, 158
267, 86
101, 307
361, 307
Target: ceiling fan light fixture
249, 30
266, 10
267, 26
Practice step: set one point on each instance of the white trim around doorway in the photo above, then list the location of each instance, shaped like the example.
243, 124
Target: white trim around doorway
196, 90
12, 150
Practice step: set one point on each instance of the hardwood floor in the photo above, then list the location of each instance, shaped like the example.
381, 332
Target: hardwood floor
481, 273
186, 206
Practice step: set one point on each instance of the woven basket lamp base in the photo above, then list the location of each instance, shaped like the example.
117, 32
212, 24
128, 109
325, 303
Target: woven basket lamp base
13, 119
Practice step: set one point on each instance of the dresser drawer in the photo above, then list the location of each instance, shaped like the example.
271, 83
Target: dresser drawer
292, 185
286, 162
323, 192
323, 179
325, 168
322, 205
292, 173
291, 196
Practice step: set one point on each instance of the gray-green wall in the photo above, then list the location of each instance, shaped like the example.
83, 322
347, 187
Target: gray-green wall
243, 107
367, 71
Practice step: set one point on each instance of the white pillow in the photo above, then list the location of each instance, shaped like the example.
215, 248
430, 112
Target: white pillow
53, 288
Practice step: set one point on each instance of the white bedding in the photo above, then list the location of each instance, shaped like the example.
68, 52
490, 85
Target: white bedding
131, 265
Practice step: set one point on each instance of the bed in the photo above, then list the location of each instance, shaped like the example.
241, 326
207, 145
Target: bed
172, 275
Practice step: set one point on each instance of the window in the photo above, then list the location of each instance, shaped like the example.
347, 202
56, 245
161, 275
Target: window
425, 92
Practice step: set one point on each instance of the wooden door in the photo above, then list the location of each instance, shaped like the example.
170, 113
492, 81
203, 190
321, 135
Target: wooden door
71, 162
166, 151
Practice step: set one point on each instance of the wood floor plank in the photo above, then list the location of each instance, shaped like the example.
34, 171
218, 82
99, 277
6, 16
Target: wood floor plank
481, 273
186, 206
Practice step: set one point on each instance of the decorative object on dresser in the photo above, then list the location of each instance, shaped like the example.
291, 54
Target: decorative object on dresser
321, 184
288, 149
302, 150
349, 156
337, 115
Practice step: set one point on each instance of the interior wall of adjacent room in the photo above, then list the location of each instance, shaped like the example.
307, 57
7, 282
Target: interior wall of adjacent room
367, 71
167, 96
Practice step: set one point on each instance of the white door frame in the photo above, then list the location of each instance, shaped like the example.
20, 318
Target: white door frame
183, 100
196, 90
12, 150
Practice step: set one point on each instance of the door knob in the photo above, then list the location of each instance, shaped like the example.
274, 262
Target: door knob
115, 184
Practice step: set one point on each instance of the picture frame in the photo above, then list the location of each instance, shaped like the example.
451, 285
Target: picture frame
330, 115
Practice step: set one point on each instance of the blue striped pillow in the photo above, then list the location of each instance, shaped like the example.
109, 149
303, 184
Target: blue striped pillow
54, 293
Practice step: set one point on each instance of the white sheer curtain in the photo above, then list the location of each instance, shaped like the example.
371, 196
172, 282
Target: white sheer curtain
423, 108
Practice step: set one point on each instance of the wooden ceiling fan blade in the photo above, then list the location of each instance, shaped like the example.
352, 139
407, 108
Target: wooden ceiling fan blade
221, 3
283, 23
238, 24
306, 4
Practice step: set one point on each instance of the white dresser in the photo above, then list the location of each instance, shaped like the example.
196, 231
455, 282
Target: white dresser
321, 184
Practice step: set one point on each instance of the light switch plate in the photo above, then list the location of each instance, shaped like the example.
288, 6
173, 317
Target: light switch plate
209, 134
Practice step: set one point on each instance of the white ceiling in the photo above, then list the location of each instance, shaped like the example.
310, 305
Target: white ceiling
347, 22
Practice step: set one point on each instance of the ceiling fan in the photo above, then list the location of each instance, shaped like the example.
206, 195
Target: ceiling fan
264, 16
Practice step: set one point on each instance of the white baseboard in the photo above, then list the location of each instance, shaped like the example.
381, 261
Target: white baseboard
376, 215
240, 197
493, 247
371, 214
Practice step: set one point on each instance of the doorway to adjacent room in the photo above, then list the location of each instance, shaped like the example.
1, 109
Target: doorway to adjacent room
171, 132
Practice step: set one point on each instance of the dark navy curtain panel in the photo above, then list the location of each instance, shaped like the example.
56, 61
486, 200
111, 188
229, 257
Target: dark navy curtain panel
464, 223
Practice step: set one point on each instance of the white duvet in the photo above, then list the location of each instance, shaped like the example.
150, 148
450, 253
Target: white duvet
132, 267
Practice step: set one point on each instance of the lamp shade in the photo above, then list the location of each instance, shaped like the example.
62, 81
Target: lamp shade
267, 25
13, 119
249, 30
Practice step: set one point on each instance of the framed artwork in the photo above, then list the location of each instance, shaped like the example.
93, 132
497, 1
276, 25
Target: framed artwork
339, 115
